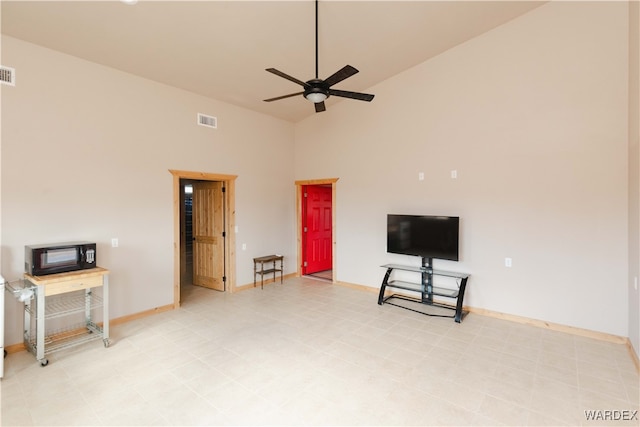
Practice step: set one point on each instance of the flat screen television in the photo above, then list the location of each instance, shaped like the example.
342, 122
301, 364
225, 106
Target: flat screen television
424, 236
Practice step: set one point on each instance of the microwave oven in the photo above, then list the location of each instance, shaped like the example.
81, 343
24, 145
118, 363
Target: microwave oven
40, 260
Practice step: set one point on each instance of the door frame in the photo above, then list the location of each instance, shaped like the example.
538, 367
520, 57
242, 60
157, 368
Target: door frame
229, 197
299, 221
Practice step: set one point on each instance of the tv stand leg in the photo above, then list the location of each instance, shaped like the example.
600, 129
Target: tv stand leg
383, 287
463, 286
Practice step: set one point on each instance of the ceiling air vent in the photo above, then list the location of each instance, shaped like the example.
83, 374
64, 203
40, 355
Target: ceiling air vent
7, 76
208, 121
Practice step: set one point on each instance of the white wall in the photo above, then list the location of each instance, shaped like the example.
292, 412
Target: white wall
533, 116
86, 153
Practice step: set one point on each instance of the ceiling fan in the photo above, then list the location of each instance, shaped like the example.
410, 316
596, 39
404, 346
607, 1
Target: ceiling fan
317, 90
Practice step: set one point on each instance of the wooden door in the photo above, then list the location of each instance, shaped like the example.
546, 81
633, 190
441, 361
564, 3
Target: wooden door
317, 229
208, 240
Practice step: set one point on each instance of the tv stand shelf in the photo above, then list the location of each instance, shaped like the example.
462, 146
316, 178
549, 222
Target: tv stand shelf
425, 288
407, 286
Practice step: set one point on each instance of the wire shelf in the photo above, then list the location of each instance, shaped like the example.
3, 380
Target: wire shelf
67, 337
65, 304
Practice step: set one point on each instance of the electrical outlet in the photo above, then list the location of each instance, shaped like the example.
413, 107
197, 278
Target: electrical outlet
635, 283
114, 242
507, 262
454, 174
420, 176
244, 246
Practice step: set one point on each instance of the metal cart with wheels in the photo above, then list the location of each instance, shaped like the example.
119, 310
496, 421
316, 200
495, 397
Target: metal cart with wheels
59, 310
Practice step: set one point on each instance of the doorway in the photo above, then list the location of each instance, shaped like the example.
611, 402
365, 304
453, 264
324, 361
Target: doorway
202, 237
316, 228
186, 233
204, 210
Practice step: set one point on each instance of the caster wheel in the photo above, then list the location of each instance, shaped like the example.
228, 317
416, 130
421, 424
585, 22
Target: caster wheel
5, 353
44, 362
106, 343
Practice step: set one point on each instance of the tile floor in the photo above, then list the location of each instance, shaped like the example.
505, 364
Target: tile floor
311, 353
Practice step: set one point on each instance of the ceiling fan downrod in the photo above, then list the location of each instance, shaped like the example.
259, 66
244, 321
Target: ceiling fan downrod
316, 91
317, 40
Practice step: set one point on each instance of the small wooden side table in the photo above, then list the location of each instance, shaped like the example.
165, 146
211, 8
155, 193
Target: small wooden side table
274, 269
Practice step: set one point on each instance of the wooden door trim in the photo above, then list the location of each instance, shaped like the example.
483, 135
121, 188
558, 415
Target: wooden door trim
230, 223
299, 185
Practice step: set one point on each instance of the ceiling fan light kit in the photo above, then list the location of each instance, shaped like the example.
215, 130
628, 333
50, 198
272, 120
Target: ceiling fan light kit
316, 97
318, 90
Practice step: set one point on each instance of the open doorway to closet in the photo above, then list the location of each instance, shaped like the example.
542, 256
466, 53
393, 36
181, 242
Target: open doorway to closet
316, 228
204, 247
202, 236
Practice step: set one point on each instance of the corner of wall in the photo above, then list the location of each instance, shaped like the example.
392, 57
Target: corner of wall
634, 175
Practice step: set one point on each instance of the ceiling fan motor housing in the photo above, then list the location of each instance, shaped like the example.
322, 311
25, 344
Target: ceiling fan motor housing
316, 86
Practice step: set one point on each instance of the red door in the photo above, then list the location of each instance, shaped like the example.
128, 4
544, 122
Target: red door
316, 231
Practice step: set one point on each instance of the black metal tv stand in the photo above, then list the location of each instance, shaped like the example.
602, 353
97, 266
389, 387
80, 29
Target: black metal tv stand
425, 288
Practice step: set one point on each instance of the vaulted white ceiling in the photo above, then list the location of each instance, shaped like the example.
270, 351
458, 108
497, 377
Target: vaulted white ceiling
220, 49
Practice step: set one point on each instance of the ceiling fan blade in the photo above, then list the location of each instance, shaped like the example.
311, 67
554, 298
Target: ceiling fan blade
340, 75
286, 76
320, 107
353, 95
283, 97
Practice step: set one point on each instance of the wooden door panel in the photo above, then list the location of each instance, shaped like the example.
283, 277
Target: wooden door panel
208, 242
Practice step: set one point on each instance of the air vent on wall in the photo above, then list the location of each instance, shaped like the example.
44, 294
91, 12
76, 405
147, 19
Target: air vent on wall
7, 75
208, 121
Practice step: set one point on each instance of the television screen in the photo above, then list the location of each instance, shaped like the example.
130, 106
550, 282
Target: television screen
424, 236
